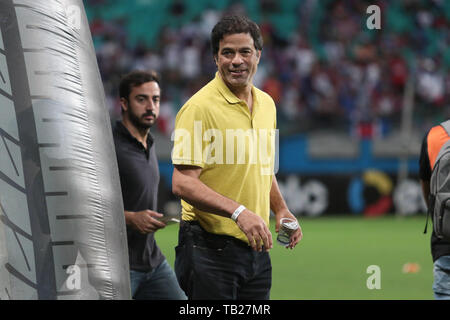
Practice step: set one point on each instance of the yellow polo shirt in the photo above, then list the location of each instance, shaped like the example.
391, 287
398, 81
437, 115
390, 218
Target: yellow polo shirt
214, 130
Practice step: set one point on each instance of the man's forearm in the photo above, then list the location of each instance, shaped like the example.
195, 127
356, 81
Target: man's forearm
277, 202
202, 197
129, 217
187, 185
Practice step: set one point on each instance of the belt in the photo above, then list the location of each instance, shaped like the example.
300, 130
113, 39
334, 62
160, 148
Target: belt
208, 238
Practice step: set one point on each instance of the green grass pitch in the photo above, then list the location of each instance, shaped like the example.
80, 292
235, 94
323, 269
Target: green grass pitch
331, 261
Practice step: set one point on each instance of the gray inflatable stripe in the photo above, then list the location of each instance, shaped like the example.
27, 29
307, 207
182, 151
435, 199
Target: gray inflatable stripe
62, 227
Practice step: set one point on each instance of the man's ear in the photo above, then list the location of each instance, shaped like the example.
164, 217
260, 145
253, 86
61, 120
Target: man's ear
215, 60
124, 104
258, 54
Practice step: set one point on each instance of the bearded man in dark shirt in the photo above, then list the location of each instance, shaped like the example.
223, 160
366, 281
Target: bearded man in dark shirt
151, 275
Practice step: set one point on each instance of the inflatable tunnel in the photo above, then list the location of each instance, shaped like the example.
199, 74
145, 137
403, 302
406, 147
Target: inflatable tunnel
62, 227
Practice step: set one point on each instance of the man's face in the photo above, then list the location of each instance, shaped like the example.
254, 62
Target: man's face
237, 60
142, 106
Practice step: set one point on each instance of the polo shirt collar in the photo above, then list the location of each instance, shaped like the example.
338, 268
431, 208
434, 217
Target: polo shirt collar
225, 91
126, 133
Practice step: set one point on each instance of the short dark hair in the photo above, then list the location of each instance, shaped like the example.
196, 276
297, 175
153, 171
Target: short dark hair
135, 79
232, 25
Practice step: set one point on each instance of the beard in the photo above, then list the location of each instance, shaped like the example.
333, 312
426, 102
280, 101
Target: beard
139, 121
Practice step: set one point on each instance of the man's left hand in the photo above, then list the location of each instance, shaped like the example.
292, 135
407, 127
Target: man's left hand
297, 235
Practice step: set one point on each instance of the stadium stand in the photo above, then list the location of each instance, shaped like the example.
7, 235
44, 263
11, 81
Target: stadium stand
332, 78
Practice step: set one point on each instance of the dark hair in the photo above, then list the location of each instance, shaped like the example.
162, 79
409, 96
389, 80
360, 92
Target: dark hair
232, 25
135, 79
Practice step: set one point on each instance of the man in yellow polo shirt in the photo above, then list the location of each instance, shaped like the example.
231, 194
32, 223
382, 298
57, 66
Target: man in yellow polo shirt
223, 156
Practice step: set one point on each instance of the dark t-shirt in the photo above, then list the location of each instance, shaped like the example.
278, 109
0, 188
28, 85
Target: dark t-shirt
439, 247
139, 179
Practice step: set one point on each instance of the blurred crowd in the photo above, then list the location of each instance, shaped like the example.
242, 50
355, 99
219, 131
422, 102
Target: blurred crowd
321, 64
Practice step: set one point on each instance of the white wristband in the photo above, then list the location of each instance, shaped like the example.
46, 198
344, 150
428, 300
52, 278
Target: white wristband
237, 212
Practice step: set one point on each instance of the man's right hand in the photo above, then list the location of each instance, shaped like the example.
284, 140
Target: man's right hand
256, 230
145, 221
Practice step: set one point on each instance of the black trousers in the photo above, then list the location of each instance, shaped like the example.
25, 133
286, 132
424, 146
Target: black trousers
210, 266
